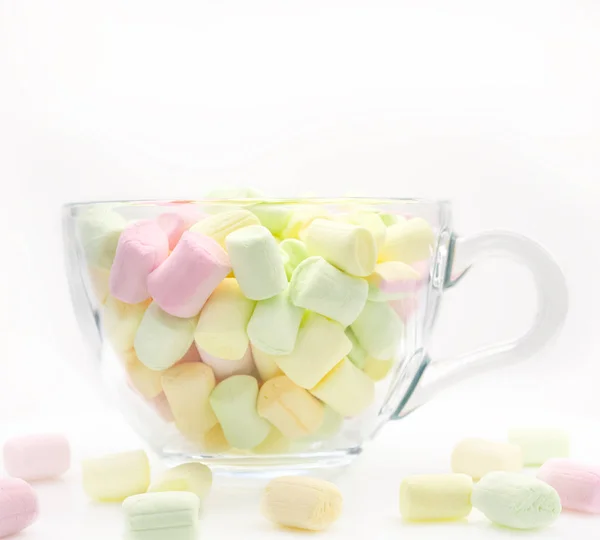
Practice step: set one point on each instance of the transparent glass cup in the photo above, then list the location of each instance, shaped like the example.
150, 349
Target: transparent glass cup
399, 384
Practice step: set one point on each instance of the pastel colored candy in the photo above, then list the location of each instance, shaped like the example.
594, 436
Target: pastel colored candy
291, 409
188, 387
299, 221
274, 217
99, 281
357, 355
220, 225
19, 506
408, 241
161, 339
115, 477
348, 247
161, 405
265, 364
182, 284
435, 497
37, 457
389, 219
193, 477
275, 443
221, 329
226, 368
295, 252
577, 484
174, 224
320, 345
393, 278
320, 287
144, 380
274, 325
120, 322
302, 502
539, 445
405, 307
192, 355
378, 329
477, 457
377, 369
162, 516
214, 441
99, 229
257, 262
516, 501
346, 389
234, 402
142, 247
331, 425
372, 222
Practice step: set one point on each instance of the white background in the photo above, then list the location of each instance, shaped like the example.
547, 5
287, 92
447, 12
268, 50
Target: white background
493, 105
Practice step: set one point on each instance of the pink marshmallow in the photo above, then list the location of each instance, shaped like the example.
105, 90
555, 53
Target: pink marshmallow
226, 368
19, 506
578, 485
37, 457
178, 220
183, 283
142, 247
405, 307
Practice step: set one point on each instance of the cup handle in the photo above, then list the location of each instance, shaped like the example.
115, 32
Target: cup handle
432, 376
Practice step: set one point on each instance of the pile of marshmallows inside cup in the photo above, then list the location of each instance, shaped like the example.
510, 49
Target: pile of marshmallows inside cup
486, 475
256, 327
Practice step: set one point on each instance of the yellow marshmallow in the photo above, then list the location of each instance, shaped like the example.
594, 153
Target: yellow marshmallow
218, 226
145, 380
291, 409
214, 441
100, 283
408, 241
99, 229
193, 477
346, 389
300, 220
120, 322
275, 443
188, 388
376, 369
372, 222
477, 457
265, 364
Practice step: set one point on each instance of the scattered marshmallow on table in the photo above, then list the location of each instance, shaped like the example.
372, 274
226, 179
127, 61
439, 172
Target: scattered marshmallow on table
348, 247
302, 502
161, 339
295, 252
320, 345
219, 226
188, 387
539, 445
193, 477
266, 364
408, 241
182, 284
577, 484
19, 507
226, 368
291, 409
477, 457
378, 329
170, 515
234, 403
115, 477
274, 324
120, 322
221, 328
257, 262
346, 389
320, 287
142, 247
37, 457
517, 501
435, 497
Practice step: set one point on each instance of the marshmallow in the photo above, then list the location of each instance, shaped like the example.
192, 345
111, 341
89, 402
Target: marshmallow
346, 389
182, 284
320, 345
142, 247
192, 355
392, 280
372, 222
477, 457
300, 219
294, 252
577, 484
302, 502
389, 219
234, 402
435, 497
161, 405
331, 425
221, 329
376, 369
120, 322
188, 387
162, 339
408, 241
99, 279
539, 445
357, 355
226, 368
144, 380
257, 262
275, 443
378, 330
291, 409
349, 247
274, 217
214, 441
516, 501
193, 477
19, 506
115, 477
99, 229
320, 287
174, 224
265, 364
274, 325
162, 516
220, 225
405, 307
37, 457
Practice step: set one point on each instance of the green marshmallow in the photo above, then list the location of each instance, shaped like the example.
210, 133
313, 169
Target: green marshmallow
358, 356
294, 252
378, 330
274, 217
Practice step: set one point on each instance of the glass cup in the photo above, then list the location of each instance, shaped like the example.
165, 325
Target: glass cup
366, 278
